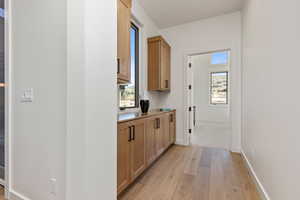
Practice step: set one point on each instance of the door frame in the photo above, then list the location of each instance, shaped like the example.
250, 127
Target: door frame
8, 96
234, 96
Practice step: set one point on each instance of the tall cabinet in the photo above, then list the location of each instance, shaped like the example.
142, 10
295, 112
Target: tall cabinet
159, 64
123, 55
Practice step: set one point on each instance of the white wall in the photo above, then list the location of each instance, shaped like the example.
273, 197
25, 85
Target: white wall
218, 33
61, 50
92, 100
271, 94
39, 62
205, 112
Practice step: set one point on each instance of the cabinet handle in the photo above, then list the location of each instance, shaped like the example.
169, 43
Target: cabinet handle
194, 115
156, 123
118, 68
167, 83
129, 137
171, 117
133, 130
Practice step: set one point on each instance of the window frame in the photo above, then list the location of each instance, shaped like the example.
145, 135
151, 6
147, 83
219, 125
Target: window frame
137, 54
210, 85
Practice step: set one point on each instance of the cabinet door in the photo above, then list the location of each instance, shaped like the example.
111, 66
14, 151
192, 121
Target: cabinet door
165, 66
124, 15
159, 136
151, 127
153, 65
138, 148
166, 130
123, 157
172, 127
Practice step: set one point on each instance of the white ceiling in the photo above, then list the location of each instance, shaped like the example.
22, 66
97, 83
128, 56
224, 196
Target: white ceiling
167, 13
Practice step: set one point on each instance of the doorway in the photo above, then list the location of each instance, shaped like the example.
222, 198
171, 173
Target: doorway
209, 99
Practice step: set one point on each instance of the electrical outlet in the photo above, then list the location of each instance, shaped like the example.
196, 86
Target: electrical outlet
53, 186
27, 95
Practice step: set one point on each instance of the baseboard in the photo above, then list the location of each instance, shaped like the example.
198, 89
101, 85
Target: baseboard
263, 193
13, 195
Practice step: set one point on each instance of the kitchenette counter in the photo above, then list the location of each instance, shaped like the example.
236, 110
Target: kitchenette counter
125, 117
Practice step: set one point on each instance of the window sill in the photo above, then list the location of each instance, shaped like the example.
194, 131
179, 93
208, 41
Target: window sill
128, 110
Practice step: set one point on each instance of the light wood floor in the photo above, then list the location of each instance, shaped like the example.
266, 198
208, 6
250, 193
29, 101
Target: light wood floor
1, 193
194, 173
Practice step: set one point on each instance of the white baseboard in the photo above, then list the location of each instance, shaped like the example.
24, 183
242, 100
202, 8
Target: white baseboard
13, 195
263, 193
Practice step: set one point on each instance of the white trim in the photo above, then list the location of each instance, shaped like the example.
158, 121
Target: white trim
13, 195
8, 97
259, 185
186, 61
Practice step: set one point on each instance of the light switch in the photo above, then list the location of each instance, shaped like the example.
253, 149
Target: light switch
27, 95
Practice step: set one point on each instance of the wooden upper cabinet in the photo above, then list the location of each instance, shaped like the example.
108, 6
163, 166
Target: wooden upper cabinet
123, 157
123, 55
159, 64
138, 148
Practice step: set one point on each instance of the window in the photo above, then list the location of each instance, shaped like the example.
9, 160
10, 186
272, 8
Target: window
219, 88
129, 94
219, 58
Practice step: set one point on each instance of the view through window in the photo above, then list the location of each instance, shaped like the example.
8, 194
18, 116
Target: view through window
129, 93
219, 88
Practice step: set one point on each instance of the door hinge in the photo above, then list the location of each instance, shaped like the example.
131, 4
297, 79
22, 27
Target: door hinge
190, 87
190, 65
190, 109
190, 131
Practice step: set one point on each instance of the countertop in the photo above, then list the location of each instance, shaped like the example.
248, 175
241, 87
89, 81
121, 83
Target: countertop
125, 117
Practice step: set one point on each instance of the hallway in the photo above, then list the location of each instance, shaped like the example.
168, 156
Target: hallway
190, 173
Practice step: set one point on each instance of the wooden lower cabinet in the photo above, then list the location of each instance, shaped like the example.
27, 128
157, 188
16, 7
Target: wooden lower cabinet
138, 148
159, 136
131, 159
140, 143
172, 120
123, 157
151, 132
166, 130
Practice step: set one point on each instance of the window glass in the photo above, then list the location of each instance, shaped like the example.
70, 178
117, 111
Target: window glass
129, 93
219, 88
219, 58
